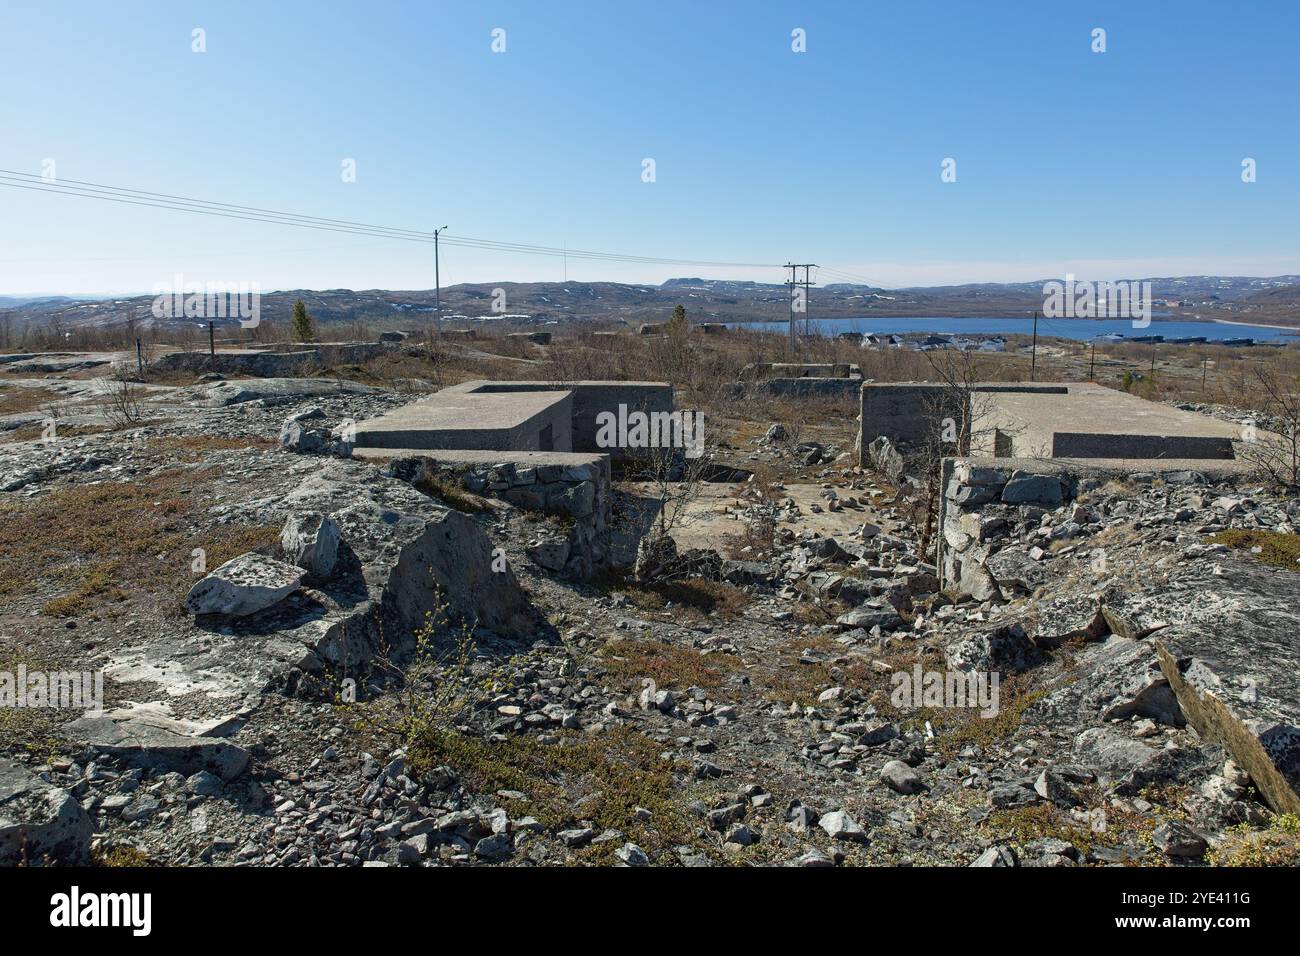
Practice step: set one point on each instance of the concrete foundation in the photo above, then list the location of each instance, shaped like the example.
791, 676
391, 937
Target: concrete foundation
1073, 420
801, 380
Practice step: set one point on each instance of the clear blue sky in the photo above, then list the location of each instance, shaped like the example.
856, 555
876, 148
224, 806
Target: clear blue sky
1110, 165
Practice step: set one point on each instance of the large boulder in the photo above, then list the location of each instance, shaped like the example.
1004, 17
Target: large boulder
1005, 648
244, 585
1223, 632
1118, 679
436, 562
1111, 753
885, 458
975, 578
551, 553
39, 822
297, 435
1015, 572
311, 541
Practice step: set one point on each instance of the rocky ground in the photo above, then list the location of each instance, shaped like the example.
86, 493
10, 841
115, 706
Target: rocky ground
742, 710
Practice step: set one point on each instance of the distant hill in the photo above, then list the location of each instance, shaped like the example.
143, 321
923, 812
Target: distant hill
1274, 300
15, 302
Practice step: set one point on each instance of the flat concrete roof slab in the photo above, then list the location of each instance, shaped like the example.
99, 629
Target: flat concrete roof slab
1091, 421
465, 411
1089, 408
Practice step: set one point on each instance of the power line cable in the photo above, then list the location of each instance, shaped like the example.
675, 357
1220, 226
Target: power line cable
88, 190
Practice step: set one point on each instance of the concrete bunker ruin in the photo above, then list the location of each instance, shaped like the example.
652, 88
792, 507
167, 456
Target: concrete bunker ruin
534, 444
1044, 420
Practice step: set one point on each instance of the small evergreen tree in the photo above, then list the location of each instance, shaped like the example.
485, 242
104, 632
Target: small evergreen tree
304, 326
677, 324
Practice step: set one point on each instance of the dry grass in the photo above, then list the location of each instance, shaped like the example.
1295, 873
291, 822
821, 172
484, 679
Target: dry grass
601, 777
786, 678
668, 665
34, 432
193, 448
956, 728
448, 489
1278, 845
16, 399
697, 597
35, 729
101, 544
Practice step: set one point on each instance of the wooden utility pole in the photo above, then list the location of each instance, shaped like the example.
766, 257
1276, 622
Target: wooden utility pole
437, 281
1033, 353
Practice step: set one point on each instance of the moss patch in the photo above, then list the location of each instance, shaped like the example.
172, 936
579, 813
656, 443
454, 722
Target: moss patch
1275, 549
601, 777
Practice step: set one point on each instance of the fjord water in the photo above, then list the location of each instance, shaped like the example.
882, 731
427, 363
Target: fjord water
1082, 329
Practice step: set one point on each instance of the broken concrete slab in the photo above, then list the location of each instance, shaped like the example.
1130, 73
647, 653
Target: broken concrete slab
39, 822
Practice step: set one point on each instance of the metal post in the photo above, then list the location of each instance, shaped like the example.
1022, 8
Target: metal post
139, 357
212, 340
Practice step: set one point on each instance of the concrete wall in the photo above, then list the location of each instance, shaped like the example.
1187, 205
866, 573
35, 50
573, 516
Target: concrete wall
273, 362
589, 400
1089, 445
1045, 420
761, 370
902, 411
835, 389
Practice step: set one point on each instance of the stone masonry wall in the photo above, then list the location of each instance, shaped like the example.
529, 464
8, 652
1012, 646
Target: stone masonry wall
580, 493
982, 503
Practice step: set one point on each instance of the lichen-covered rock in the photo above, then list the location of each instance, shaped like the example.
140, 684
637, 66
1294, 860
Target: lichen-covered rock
38, 821
311, 541
1005, 648
244, 585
